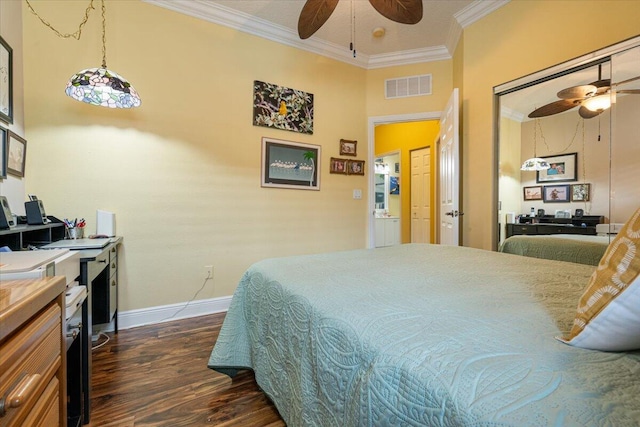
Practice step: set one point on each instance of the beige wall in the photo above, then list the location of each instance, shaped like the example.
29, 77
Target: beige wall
520, 38
182, 172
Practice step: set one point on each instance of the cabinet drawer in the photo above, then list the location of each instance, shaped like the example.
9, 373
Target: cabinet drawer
28, 361
46, 411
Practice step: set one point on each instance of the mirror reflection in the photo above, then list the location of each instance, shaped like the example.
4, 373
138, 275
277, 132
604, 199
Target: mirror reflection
568, 158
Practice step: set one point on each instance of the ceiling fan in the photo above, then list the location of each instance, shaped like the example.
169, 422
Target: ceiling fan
316, 12
593, 98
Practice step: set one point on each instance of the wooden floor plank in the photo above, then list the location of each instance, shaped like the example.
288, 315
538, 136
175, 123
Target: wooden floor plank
157, 376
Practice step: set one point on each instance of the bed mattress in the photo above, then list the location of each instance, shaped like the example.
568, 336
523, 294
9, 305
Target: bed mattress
423, 335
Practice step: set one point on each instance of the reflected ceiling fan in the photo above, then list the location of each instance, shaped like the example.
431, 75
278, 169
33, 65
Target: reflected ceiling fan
593, 98
316, 12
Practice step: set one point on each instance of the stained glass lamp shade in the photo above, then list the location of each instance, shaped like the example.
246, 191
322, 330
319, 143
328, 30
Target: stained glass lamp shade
535, 164
103, 87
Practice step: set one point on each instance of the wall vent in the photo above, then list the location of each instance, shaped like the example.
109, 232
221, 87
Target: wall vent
404, 87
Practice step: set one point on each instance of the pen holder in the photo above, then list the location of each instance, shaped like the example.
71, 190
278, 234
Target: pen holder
76, 232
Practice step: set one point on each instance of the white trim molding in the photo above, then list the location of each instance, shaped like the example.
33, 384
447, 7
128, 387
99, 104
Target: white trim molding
166, 313
231, 18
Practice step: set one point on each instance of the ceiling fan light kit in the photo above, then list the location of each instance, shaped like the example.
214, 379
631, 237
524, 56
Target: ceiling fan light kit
598, 103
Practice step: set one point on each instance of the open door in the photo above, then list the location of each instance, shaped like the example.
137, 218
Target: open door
449, 174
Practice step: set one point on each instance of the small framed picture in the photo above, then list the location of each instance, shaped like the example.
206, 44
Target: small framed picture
555, 193
562, 168
348, 148
17, 155
356, 167
339, 166
580, 192
533, 193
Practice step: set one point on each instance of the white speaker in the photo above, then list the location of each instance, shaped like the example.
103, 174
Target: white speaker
105, 223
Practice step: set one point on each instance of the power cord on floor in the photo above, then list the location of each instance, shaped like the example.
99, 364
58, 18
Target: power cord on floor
191, 300
102, 334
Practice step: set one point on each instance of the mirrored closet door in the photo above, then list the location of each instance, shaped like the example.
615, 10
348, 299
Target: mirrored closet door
568, 147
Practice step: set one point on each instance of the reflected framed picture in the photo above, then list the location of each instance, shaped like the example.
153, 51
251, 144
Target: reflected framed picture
348, 148
6, 82
555, 193
533, 193
562, 169
17, 155
580, 192
340, 166
288, 164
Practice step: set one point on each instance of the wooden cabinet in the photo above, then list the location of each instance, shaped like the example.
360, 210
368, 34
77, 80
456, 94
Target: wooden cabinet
550, 225
32, 352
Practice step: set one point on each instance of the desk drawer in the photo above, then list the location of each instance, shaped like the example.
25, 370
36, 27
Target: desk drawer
28, 362
524, 229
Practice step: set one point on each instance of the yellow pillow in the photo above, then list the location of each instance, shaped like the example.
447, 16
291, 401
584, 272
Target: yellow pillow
608, 316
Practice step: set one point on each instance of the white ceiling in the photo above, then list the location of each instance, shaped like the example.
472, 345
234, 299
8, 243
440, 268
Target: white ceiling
433, 38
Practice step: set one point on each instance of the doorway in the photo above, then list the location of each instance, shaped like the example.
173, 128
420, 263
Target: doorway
430, 120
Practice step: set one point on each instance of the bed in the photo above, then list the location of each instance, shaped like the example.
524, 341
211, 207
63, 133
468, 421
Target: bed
562, 247
423, 335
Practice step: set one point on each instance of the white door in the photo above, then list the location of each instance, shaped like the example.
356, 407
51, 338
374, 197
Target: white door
449, 174
421, 195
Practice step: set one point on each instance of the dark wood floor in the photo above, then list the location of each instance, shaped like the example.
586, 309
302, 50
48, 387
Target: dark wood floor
158, 376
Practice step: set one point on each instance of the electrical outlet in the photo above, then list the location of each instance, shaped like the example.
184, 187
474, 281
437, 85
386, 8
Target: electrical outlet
208, 269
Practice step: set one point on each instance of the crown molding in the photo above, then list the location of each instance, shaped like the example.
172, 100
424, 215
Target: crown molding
249, 24
478, 10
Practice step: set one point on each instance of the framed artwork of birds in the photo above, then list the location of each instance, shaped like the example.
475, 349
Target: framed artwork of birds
282, 108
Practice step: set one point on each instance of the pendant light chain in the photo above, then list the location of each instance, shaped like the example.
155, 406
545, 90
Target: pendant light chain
575, 133
104, 35
76, 35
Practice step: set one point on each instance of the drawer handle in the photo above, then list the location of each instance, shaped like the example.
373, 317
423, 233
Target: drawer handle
20, 394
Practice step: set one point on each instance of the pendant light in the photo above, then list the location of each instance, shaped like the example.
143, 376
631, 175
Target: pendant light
101, 86
535, 163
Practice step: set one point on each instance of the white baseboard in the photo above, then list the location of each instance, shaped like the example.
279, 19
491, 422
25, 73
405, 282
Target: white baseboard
165, 313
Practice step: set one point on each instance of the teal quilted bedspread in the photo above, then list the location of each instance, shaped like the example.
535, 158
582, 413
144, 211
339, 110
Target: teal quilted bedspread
423, 335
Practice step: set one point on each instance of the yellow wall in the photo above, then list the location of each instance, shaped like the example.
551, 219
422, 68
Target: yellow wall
405, 137
182, 172
520, 38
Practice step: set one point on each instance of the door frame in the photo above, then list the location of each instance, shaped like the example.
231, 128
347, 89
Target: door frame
373, 121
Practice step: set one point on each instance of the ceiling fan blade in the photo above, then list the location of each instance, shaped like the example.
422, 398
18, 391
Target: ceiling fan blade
555, 108
601, 83
313, 16
402, 11
585, 113
629, 91
578, 92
